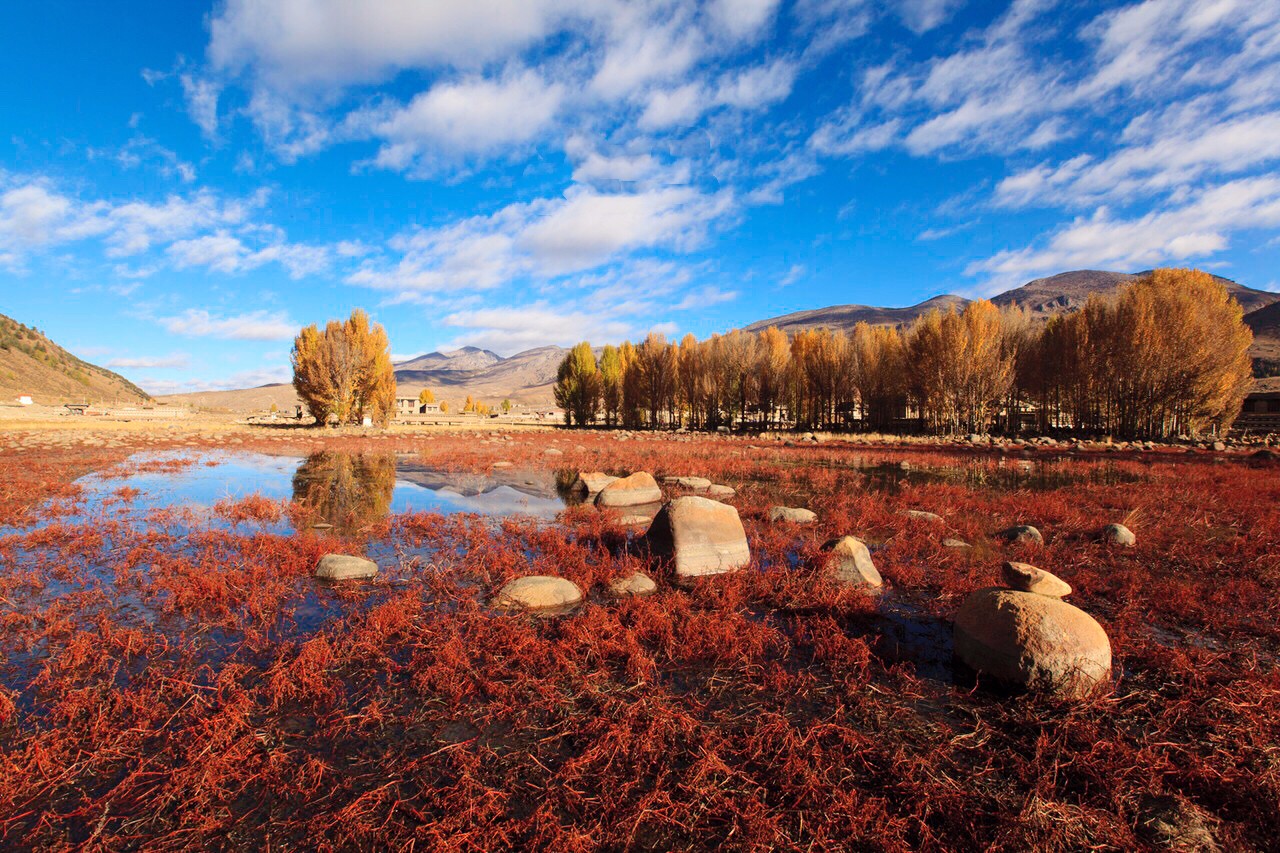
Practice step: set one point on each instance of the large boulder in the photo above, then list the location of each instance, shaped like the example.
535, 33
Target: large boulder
1118, 534
792, 515
591, 482
700, 536
538, 593
342, 567
1034, 641
639, 488
849, 562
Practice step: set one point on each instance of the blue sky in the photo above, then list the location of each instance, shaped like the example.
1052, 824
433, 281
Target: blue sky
183, 186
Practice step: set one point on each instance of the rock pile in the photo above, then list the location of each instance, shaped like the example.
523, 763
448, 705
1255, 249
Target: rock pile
1029, 637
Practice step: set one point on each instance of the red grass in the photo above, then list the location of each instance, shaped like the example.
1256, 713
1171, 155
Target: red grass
166, 689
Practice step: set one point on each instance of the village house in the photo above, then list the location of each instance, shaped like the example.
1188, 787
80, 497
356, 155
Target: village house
413, 406
1260, 412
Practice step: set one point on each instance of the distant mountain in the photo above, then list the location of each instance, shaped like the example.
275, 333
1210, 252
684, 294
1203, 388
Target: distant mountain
32, 365
1068, 291
847, 316
467, 358
1265, 323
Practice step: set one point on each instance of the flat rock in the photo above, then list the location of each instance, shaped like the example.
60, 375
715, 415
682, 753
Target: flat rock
1033, 641
696, 484
850, 562
716, 490
955, 543
542, 593
1118, 534
639, 488
700, 536
591, 482
1027, 578
922, 515
792, 515
636, 583
341, 567
1023, 534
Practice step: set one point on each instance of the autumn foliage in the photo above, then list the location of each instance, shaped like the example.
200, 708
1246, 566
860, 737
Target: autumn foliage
344, 372
1166, 355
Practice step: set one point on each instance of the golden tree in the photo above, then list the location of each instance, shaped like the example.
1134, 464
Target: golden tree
344, 373
577, 388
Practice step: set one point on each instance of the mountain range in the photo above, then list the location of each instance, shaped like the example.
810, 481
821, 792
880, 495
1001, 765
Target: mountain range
527, 377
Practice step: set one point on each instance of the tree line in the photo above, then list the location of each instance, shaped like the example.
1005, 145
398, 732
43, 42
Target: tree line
1165, 355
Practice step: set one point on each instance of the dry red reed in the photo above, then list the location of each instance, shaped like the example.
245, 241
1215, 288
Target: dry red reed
163, 687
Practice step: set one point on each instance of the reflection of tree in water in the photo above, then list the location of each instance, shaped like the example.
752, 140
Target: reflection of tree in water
348, 490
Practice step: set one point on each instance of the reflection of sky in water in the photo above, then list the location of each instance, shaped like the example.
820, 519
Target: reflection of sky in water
217, 476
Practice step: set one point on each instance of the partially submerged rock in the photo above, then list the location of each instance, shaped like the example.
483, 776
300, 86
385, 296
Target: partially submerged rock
700, 536
1033, 641
1118, 534
591, 482
1027, 578
850, 562
342, 567
1022, 534
792, 515
639, 488
538, 593
636, 583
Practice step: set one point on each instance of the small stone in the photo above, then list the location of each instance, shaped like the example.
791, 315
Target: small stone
502, 464
639, 488
1023, 534
1118, 534
696, 484
922, 515
552, 451
341, 567
1027, 578
955, 543
1219, 446
792, 515
718, 491
850, 562
540, 593
636, 583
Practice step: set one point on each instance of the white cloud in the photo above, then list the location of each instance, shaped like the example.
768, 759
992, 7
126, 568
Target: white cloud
472, 116
293, 45
512, 329
920, 16
1198, 229
166, 362
202, 102
741, 19
252, 326
271, 375
228, 254
545, 238
681, 106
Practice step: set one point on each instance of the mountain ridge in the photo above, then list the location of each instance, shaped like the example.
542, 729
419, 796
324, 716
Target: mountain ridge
32, 365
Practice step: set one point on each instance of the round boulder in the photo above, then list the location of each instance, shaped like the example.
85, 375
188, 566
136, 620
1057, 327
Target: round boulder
1023, 534
342, 567
539, 593
1034, 641
792, 515
700, 536
1027, 578
1118, 534
850, 563
639, 488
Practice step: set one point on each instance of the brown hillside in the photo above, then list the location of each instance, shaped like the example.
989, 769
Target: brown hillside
847, 316
33, 365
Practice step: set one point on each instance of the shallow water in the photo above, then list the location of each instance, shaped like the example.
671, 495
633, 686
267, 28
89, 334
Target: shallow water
347, 491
